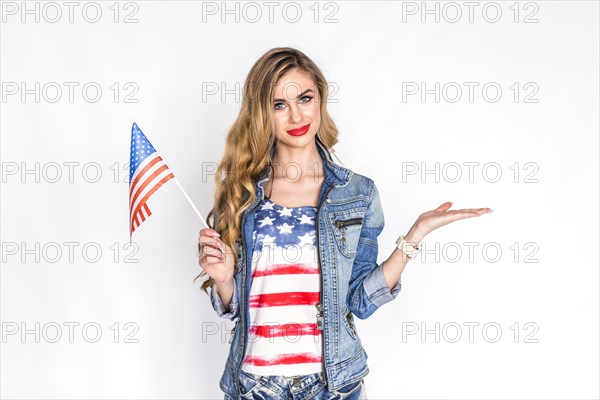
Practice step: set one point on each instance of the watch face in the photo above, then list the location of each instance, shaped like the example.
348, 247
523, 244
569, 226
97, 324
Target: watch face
406, 247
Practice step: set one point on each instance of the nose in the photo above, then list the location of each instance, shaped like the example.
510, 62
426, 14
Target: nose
295, 113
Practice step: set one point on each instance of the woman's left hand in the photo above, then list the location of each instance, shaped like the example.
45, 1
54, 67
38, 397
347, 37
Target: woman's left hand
431, 220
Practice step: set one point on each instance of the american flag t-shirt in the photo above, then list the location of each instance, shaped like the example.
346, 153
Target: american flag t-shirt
285, 288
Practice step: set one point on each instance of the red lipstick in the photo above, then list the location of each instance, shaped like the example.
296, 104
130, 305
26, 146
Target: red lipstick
299, 131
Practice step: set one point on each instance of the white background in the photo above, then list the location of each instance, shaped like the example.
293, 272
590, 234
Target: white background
368, 52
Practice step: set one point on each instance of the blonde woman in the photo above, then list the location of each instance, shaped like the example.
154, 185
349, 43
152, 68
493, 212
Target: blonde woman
292, 249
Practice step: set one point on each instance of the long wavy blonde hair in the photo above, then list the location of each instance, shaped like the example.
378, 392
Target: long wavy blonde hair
247, 155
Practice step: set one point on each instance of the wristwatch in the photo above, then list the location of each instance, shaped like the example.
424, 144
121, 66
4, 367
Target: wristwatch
407, 248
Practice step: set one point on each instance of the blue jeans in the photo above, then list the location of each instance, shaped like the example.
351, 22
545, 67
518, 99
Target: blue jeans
300, 387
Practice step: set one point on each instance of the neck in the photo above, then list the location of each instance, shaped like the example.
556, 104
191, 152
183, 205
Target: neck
297, 162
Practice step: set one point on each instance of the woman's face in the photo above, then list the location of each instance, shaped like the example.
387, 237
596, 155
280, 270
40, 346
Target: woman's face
296, 109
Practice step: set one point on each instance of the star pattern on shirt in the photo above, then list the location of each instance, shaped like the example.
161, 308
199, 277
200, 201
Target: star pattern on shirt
266, 221
284, 226
267, 206
268, 240
306, 219
305, 239
285, 212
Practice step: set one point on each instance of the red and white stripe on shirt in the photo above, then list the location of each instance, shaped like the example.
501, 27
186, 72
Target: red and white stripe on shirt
283, 338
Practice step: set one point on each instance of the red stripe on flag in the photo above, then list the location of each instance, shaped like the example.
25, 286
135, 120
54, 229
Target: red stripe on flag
133, 186
140, 174
151, 192
135, 223
148, 181
284, 299
142, 215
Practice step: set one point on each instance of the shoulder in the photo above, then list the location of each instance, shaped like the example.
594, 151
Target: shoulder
360, 184
352, 184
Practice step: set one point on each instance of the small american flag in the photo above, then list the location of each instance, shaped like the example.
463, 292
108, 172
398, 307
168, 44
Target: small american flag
147, 173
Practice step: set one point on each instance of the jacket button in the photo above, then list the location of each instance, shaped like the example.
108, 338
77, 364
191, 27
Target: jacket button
328, 200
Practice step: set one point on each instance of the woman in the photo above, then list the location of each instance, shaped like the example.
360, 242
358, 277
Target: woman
304, 230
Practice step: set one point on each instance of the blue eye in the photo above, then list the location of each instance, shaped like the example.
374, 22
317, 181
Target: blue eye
304, 102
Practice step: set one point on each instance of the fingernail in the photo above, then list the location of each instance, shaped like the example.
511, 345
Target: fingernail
216, 234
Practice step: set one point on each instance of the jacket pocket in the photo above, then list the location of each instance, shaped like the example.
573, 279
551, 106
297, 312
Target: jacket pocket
348, 320
249, 383
350, 390
346, 227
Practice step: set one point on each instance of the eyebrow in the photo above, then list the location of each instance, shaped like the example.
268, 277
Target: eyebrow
299, 96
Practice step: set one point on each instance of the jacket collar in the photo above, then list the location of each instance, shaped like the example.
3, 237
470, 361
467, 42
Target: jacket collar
335, 175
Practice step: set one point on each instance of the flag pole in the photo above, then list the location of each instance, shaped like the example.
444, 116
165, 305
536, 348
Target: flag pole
190, 201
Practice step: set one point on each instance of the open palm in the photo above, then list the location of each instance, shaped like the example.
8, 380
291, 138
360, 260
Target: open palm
431, 220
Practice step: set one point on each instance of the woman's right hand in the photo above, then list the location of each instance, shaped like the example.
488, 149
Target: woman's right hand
214, 258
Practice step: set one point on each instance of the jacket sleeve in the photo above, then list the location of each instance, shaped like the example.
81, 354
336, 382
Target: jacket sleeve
218, 306
368, 288
215, 299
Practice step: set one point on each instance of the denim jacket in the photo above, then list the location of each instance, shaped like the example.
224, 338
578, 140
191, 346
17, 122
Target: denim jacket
349, 220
